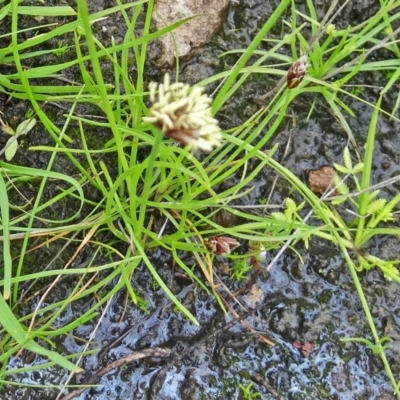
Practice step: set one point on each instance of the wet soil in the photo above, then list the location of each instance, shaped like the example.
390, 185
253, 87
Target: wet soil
304, 308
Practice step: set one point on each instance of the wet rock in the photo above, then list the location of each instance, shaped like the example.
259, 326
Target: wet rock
393, 148
389, 249
192, 35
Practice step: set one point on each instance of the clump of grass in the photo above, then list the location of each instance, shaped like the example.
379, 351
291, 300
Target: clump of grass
150, 173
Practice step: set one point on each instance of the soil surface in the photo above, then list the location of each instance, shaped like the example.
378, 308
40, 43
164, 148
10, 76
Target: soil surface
305, 309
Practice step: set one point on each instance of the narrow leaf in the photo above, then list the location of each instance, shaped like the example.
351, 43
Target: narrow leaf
52, 11
347, 159
341, 168
5, 220
18, 332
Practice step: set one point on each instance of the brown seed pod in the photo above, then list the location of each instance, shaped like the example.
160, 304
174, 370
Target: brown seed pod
183, 136
220, 245
296, 72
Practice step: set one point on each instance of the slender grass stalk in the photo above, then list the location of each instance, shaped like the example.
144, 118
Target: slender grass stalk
5, 220
366, 177
148, 185
222, 95
83, 13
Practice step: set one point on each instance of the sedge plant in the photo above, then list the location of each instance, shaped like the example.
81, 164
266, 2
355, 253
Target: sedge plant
170, 180
152, 178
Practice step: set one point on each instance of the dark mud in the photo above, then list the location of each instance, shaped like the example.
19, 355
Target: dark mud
305, 309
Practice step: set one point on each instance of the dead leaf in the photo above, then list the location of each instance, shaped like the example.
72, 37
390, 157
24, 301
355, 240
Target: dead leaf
306, 347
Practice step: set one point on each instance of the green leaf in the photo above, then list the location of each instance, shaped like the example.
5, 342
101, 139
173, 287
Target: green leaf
52, 11
19, 333
7, 129
338, 201
5, 220
290, 206
301, 206
340, 185
25, 126
347, 159
372, 195
11, 148
358, 168
279, 216
4, 11
376, 206
387, 218
341, 168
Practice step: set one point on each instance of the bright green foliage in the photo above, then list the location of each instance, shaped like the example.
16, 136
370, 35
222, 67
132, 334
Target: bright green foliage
248, 393
240, 270
12, 144
149, 176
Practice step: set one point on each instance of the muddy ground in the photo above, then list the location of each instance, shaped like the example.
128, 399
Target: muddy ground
304, 308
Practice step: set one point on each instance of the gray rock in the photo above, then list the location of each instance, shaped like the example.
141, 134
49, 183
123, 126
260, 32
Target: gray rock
188, 39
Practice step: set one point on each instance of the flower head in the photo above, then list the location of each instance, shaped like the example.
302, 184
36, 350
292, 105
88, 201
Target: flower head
296, 72
330, 29
183, 113
220, 245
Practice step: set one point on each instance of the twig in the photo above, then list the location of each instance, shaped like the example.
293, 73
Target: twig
157, 352
178, 357
261, 381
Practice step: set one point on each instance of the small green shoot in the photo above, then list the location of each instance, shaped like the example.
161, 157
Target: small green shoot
376, 348
240, 269
11, 146
248, 392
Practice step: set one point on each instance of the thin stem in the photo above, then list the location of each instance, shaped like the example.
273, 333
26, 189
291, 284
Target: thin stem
148, 180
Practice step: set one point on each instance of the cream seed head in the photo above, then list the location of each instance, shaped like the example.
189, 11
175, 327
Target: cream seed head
183, 113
